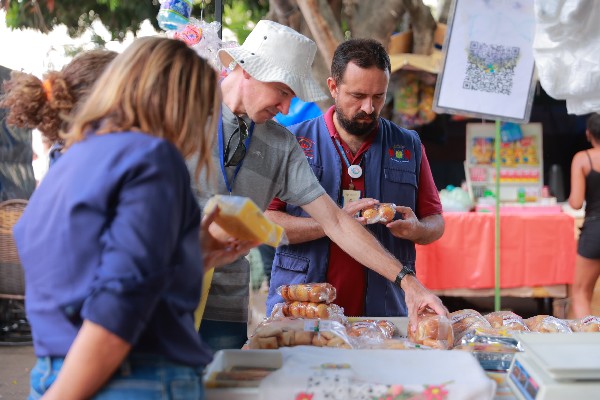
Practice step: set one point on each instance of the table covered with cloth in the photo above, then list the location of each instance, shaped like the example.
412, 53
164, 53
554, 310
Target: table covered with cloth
536, 250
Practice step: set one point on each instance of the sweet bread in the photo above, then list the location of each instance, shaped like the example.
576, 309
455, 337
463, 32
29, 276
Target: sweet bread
314, 292
310, 310
466, 320
506, 319
589, 323
387, 212
433, 330
547, 324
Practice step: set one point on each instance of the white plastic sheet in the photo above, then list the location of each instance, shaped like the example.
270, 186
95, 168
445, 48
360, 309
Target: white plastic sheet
566, 49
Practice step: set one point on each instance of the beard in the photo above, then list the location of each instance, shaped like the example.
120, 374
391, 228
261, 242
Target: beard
355, 127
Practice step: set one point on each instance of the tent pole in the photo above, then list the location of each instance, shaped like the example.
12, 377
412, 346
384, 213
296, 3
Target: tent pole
497, 220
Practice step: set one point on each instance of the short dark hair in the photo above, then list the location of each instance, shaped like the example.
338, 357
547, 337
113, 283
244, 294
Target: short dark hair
365, 53
593, 125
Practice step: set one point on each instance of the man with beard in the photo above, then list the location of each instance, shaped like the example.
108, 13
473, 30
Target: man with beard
355, 154
258, 158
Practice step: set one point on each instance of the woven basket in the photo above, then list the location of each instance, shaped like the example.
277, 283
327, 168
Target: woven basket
12, 281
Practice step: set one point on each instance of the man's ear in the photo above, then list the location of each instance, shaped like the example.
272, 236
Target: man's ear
245, 74
333, 88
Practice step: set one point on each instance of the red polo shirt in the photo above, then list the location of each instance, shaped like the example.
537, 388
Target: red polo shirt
346, 274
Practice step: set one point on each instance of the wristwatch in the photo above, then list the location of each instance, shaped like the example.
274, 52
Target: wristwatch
405, 271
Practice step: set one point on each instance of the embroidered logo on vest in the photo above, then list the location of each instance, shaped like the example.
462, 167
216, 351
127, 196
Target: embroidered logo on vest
399, 153
307, 146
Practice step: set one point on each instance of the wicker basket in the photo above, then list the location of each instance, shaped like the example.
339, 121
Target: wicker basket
12, 282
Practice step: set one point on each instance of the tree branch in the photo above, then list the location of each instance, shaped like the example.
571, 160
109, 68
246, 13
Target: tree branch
323, 26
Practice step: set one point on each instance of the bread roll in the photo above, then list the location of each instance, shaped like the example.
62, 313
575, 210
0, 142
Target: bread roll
314, 292
387, 212
506, 319
547, 324
589, 323
433, 330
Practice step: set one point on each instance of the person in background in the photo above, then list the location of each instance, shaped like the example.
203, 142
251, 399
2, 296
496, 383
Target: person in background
258, 158
110, 241
585, 186
48, 104
393, 169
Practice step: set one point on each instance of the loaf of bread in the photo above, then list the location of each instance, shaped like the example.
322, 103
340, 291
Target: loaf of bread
313, 292
383, 212
381, 328
433, 331
288, 332
589, 323
466, 320
547, 324
506, 319
308, 310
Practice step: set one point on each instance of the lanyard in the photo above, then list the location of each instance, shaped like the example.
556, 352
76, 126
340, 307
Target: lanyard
354, 170
222, 155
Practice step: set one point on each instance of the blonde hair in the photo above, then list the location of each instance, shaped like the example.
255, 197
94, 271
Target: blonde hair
158, 86
47, 105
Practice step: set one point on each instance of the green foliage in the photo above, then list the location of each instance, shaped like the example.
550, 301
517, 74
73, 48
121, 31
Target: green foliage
122, 16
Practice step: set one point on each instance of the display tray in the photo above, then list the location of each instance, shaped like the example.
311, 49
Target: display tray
565, 356
219, 387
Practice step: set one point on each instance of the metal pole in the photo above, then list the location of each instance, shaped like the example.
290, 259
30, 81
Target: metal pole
219, 16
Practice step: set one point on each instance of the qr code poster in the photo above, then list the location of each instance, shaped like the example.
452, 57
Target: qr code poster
488, 68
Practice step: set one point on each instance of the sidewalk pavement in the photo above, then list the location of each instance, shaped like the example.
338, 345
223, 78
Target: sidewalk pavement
15, 364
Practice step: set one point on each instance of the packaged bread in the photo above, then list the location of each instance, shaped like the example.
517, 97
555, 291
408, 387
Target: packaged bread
589, 323
382, 212
242, 219
308, 310
432, 330
547, 324
506, 319
313, 292
371, 328
398, 344
466, 320
288, 332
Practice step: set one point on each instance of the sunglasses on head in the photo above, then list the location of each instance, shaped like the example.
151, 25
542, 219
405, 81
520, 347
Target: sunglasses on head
238, 154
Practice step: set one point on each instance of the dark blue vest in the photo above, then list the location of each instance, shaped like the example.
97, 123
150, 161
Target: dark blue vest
392, 166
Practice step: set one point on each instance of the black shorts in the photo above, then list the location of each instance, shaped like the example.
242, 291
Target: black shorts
589, 239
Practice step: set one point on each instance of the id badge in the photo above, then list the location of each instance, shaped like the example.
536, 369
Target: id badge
348, 196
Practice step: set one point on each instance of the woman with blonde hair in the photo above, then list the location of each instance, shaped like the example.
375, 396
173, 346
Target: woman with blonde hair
47, 104
111, 301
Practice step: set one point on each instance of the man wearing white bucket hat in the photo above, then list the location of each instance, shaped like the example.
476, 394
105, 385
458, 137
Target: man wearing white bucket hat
260, 159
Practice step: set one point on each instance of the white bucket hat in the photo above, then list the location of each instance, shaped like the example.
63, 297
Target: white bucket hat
276, 53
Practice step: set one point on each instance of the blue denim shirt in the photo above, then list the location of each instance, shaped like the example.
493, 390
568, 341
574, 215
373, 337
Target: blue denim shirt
112, 236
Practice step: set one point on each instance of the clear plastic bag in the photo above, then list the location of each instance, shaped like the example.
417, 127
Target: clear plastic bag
547, 324
287, 332
433, 330
309, 310
382, 212
315, 292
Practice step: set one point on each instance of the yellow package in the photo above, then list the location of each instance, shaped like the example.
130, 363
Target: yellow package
242, 219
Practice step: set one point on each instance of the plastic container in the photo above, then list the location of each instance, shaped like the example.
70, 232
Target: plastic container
174, 14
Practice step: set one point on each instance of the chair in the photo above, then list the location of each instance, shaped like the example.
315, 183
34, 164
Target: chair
12, 280
14, 328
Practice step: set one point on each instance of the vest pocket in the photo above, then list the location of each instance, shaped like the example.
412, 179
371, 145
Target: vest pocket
400, 176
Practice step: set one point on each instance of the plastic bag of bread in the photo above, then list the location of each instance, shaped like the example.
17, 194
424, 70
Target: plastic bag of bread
383, 212
298, 332
241, 218
369, 327
506, 319
432, 330
398, 344
314, 292
547, 324
589, 323
308, 310
466, 320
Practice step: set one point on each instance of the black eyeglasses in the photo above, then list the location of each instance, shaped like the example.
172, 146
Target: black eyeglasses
238, 154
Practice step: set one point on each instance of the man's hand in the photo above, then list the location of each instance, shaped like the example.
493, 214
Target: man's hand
408, 227
418, 298
218, 248
355, 206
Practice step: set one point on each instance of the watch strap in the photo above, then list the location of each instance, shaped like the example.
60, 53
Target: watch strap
403, 272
